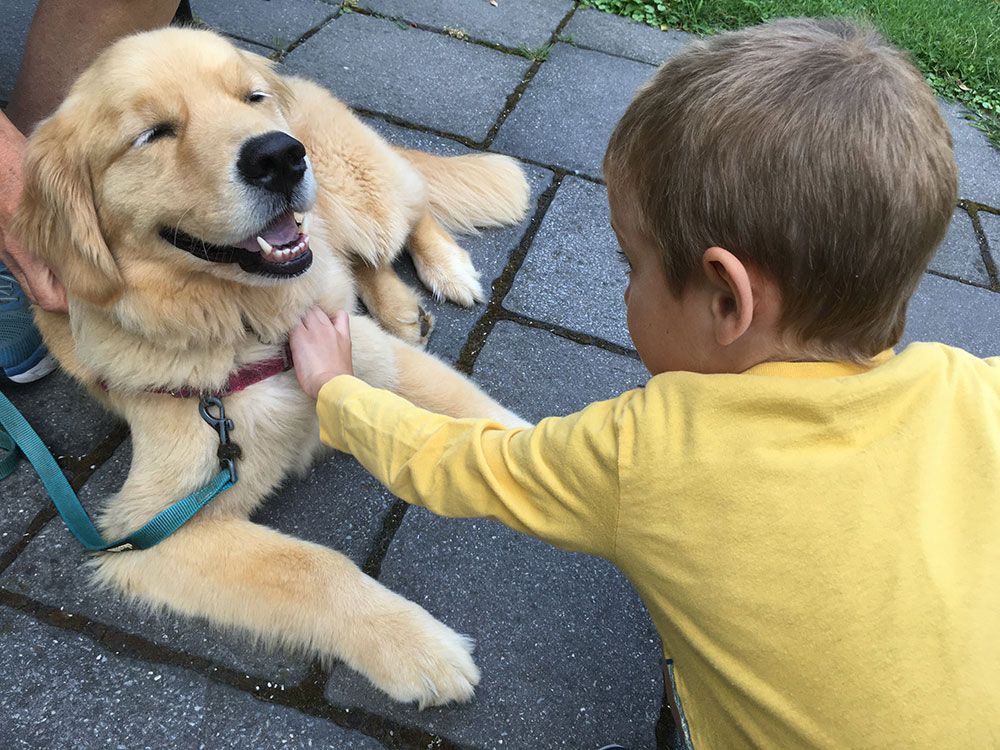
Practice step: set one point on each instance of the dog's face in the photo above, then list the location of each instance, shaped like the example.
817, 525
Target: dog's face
142, 167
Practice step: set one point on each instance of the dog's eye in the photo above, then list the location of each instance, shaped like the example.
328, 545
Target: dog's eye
257, 96
162, 130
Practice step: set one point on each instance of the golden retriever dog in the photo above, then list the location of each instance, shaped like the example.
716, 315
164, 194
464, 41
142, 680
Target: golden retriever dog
164, 191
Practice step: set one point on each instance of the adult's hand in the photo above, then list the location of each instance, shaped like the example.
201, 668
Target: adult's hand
37, 280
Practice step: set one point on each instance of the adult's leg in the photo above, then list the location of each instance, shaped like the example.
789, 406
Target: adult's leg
64, 38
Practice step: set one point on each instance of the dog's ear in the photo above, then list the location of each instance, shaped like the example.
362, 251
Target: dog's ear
278, 88
57, 217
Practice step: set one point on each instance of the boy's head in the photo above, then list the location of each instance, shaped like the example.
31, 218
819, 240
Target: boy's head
812, 151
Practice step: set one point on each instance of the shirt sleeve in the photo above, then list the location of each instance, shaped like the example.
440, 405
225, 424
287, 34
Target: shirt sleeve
557, 481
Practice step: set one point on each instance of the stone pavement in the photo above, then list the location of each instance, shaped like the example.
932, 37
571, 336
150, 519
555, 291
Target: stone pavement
568, 654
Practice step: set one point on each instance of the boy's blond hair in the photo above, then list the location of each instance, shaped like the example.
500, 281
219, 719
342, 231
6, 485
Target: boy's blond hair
813, 151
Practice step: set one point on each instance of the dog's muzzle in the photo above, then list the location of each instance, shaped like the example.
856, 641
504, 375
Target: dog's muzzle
277, 164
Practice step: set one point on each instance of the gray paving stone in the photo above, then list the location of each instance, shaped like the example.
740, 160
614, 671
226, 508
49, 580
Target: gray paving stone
959, 254
540, 374
368, 62
13, 33
337, 504
594, 29
22, 497
572, 275
511, 23
991, 228
105, 700
68, 421
568, 654
978, 162
490, 250
569, 109
241, 721
272, 23
956, 314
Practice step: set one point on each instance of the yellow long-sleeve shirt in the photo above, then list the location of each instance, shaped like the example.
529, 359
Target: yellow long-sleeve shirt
818, 545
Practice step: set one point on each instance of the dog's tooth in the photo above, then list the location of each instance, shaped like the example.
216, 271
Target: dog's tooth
305, 224
298, 217
265, 246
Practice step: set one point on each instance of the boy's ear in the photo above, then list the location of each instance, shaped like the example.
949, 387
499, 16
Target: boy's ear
732, 298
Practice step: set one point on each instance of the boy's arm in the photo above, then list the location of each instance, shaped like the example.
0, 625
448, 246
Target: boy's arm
557, 481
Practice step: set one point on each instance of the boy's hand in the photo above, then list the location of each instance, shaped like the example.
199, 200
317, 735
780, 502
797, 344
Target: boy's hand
321, 349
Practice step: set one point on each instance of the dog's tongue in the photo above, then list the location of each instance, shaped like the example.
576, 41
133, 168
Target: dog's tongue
281, 232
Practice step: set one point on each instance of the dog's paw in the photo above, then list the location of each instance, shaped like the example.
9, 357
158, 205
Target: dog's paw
413, 328
426, 662
452, 277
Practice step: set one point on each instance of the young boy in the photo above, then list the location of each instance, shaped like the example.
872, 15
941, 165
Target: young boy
811, 519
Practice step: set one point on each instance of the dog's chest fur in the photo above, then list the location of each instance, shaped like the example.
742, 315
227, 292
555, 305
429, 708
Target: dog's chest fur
274, 423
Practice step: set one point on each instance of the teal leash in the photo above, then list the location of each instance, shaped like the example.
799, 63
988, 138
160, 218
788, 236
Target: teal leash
16, 430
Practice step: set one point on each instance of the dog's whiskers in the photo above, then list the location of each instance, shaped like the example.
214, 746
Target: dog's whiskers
177, 225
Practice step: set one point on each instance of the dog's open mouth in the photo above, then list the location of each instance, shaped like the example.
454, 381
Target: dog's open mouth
279, 250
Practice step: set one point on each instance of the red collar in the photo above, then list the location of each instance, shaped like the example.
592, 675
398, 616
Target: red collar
239, 379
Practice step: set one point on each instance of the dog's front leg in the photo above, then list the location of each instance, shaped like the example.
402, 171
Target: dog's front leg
302, 596
392, 302
419, 377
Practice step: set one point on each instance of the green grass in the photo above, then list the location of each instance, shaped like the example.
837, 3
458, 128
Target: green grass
955, 43
538, 54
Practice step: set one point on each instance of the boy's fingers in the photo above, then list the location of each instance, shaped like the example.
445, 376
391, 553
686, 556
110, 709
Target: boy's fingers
342, 322
314, 318
317, 317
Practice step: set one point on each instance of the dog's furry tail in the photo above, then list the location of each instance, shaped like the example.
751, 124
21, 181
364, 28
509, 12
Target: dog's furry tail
474, 191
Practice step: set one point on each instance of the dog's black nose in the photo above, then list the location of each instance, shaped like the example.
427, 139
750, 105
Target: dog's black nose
274, 161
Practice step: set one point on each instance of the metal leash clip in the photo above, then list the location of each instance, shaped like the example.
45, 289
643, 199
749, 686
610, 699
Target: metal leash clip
228, 450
